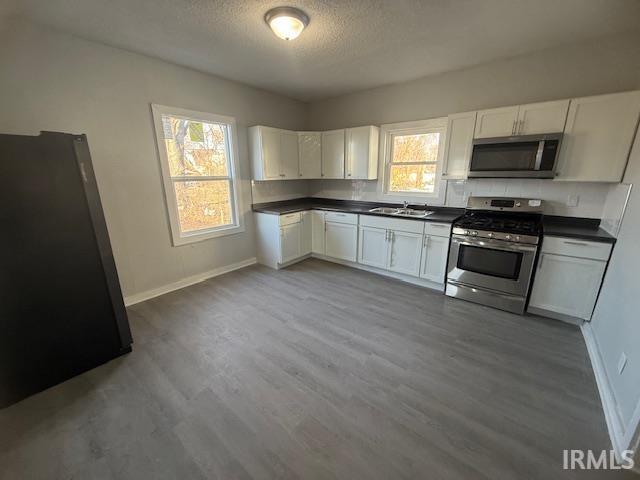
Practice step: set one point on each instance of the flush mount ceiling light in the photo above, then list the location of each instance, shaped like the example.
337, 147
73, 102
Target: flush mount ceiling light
286, 22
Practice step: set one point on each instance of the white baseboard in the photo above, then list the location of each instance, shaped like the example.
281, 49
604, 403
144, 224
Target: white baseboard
185, 282
622, 436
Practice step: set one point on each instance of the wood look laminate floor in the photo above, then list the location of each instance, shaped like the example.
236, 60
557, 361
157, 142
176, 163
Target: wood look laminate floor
318, 371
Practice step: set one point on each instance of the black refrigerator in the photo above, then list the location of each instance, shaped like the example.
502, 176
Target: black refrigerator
61, 308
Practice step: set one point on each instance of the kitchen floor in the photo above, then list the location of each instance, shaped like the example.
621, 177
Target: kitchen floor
317, 371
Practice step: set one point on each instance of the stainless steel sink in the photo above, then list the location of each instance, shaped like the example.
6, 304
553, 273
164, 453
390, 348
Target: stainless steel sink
410, 212
387, 210
402, 212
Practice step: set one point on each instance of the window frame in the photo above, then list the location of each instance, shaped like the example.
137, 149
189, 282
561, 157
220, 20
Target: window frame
177, 236
388, 131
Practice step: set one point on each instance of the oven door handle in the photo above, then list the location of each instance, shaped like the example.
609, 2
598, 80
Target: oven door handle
494, 244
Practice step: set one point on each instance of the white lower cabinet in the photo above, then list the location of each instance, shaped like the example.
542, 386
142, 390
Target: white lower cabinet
404, 254
317, 232
307, 232
435, 250
373, 247
341, 240
566, 281
290, 242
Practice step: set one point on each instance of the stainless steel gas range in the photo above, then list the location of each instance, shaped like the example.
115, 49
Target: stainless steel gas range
493, 251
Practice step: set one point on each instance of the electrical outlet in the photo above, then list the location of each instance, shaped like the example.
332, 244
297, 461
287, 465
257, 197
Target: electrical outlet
573, 200
622, 363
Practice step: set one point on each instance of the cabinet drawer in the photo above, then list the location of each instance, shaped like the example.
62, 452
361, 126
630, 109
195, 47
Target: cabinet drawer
398, 224
290, 218
339, 217
437, 229
576, 248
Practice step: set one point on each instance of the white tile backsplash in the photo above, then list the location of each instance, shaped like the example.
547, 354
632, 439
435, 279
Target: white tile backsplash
592, 196
275, 190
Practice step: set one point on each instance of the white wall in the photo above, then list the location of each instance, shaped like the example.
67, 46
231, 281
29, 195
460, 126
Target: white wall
616, 320
52, 81
606, 65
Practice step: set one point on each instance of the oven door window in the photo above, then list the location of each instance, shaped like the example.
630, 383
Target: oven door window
504, 156
496, 263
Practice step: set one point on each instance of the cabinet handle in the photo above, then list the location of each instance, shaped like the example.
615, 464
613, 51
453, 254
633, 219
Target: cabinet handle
425, 241
521, 128
513, 127
579, 244
540, 262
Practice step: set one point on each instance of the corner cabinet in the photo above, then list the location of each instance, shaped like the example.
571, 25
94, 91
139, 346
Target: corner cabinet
568, 278
598, 137
282, 239
274, 153
458, 145
333, 154
310, 155
361, 155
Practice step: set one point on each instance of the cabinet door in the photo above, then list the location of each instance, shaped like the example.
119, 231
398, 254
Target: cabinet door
310, 154
598, 136
289, 155
567, 285
341, 241
435, 251
333, 154
373, 247
290, 242
361, 161
497, 122
458, 145
270, 145
307, 233
317, 232
404, 256
544, 117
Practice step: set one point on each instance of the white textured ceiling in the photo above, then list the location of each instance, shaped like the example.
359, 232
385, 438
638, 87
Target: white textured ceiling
348, 46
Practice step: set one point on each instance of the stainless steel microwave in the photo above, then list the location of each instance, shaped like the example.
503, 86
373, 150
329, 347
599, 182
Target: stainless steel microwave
524, 156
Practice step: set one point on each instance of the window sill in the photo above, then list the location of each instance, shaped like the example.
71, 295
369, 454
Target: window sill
203, 235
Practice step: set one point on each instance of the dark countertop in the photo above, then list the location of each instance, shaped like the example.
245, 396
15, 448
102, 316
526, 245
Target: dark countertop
553, 226
442, 214
571, 227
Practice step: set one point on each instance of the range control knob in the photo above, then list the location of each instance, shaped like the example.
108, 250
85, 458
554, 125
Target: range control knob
490, 234
474, 233
517, 239
507, 237
467, 232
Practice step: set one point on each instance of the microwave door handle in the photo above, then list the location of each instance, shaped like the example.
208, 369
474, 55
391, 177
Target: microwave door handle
539, 155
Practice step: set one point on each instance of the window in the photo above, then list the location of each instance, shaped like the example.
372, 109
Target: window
413, 153
198, 156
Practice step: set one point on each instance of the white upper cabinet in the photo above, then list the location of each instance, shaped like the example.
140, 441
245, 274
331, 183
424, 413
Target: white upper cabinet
333, 154
543, 117
274, 153
598, 137
496, 122
310, 154
458, 145
361, 161
529, 119
289, 154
